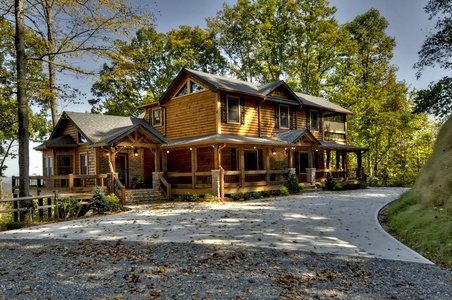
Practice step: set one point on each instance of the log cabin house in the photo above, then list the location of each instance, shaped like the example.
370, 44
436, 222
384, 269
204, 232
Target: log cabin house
206, 134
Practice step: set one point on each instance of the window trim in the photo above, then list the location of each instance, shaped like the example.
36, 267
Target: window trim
153, 122
288, 116
228, 119
311, 120
80, 163
48, 165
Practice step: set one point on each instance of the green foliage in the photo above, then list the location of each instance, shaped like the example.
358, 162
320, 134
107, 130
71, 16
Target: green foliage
246, 196
436, 99
292, 184
425, 229
113, 202
283, 191
236, 196
99, 202
257, 195
210, 198
187, 198
68, 207
329, 183
14, 225
266, 194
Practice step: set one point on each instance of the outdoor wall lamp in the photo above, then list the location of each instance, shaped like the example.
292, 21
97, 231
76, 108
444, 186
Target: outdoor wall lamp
135, 152
274, 151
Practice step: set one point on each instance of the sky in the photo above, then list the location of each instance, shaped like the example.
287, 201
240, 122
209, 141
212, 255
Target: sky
408, 23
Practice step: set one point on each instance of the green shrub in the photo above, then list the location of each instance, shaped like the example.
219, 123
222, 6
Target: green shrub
99, 203
283, 191
292, 184
14, 225
275, 192
266, 194
68, 207
301, 186
236, 196
113, 202
257, 195
187, 198
318, 184
246, 196
329, 183
339, 187
210, 198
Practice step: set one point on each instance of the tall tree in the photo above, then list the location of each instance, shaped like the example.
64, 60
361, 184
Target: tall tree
437, 50
140, 70
78, 28
24, 156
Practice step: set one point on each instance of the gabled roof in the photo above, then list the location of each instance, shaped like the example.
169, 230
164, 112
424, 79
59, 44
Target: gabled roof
319, 102
292, 136
106, 129
344, 147
65, 141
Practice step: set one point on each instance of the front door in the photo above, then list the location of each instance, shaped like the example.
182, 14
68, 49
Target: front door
121, 167
64, 167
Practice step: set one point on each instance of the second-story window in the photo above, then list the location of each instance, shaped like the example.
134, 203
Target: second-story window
314, 120
156, 117
283, 116
83, 164
233, 104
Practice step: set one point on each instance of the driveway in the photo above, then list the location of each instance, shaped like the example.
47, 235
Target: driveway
323, 222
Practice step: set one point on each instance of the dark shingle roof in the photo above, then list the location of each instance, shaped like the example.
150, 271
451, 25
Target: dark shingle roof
336, 146
225, 138
64, 141
107, 129
318, 102
292, 136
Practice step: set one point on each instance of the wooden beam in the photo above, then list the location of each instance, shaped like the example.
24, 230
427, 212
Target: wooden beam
242, 166
267, 165
194, 167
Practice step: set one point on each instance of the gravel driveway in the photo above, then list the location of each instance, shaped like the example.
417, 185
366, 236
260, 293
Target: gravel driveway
317, 245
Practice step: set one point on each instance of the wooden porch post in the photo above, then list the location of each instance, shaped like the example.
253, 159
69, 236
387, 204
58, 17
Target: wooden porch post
338, 159
328, 160
194, 167
242, 166
165, 161
344, 164
157, 160
290, 154
215, 158
267, 165
310, 158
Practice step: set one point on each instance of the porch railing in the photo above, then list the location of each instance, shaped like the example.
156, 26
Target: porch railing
65, 183
118, 188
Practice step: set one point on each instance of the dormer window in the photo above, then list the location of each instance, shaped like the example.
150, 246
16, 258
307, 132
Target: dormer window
81, 138
189, 87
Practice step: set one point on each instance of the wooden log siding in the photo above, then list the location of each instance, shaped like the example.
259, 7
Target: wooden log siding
268, 121
249, 124
191, 115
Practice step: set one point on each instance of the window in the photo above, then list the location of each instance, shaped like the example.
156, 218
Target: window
83, 164
233, 104
314, 124
81, 138
64, 164
188, 88
183, 91
156, 117
194, 87
283, 116
48, 166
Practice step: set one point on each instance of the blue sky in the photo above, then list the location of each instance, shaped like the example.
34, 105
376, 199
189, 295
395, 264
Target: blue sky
408, 23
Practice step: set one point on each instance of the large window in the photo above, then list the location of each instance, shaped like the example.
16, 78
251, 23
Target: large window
48, 166
233, 104
189, 87
83, 164
314, 124
284, 116
64, 164
157, 117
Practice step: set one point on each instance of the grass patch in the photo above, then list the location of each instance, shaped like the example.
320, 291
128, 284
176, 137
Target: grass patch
425, 229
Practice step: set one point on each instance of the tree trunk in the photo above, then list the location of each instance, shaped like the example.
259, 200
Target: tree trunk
24, 136
51, 64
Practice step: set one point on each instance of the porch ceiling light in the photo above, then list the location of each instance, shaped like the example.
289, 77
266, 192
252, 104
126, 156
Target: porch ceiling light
135, 151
